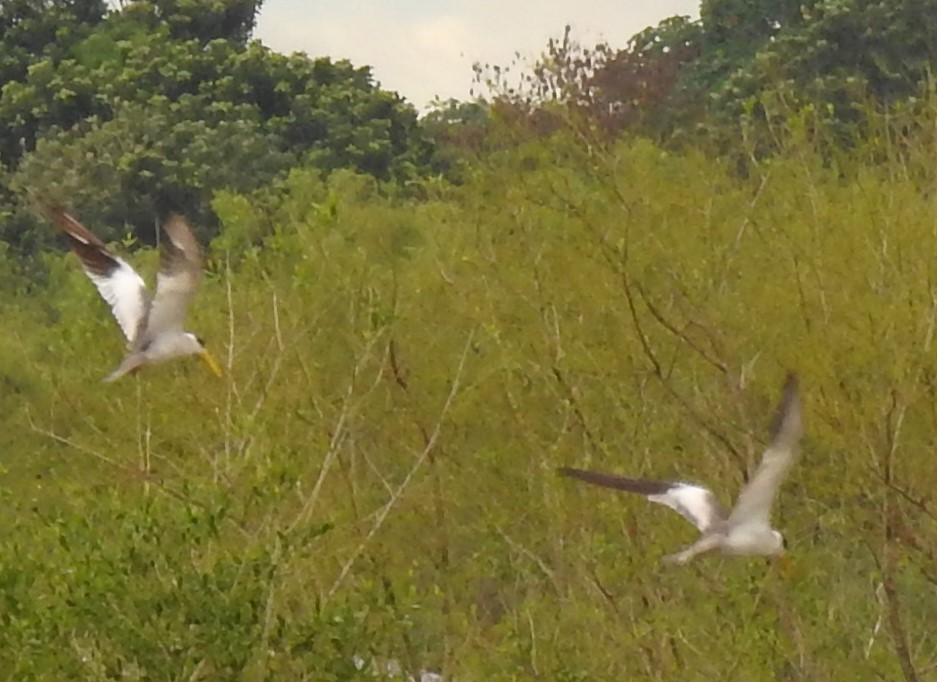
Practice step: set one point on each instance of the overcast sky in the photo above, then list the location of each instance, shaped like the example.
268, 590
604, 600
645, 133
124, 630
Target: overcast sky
422, 48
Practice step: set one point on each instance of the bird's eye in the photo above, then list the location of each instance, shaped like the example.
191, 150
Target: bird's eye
783, 542
200, 340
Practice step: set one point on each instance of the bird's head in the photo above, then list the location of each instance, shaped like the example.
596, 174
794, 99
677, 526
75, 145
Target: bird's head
780, 542
198, 348
781, 557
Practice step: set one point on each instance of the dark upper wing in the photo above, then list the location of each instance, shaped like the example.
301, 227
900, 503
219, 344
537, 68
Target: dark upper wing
117, 282
180, 270
754, 503
693, 502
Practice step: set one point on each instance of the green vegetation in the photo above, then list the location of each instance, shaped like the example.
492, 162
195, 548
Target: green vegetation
420, 321
156, 107
375, 474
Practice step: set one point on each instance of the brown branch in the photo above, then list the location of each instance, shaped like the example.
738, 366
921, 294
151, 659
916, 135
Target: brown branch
399, 377
658, 372
439, 507
894, 419
682, 335
740, 233
896, 625
715, 342
571, 400
569, 395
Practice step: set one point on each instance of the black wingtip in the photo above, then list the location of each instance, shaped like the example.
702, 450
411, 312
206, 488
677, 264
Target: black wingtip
632, 485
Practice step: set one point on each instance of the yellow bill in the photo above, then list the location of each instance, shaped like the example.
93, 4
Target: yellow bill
211, 362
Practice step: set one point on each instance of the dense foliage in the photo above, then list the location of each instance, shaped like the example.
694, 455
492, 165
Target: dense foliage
133, 113
371, 486
374, 476
706, 80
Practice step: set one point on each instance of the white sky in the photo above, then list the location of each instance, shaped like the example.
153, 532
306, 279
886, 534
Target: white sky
422, 48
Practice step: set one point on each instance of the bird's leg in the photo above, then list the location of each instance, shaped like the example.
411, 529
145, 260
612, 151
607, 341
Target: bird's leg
706, 543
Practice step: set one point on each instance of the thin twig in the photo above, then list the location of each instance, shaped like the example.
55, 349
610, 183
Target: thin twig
680, 334
150, 477
894, 420
530, 555
658, 372
398, 493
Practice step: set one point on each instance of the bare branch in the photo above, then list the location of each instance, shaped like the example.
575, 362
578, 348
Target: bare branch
683, 336
659, 373
337, 437
401, 489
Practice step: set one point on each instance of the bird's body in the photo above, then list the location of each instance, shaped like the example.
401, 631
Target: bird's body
747, 530
152, 326
160, 349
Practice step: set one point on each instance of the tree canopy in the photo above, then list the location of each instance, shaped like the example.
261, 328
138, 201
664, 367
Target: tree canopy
133, 113
715, 72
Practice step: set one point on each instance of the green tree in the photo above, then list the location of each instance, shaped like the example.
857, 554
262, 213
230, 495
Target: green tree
149, 113
32, 31
833, 58
838, 51
459, 130
31, 28
201, 20
154, 158
637, 88
732, 31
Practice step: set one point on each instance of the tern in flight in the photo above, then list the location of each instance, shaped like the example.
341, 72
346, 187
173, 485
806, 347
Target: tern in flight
153, 326
747, 530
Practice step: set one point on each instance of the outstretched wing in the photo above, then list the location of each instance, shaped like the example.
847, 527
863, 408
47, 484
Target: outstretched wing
754, 503
694, 503
180, 270
117, 282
